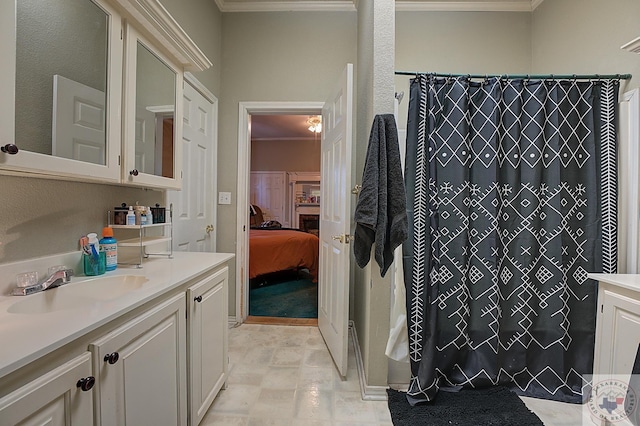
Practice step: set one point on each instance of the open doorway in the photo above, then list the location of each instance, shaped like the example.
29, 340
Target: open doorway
284, 207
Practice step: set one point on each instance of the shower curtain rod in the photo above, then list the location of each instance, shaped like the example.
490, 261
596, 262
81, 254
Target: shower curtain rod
528, 76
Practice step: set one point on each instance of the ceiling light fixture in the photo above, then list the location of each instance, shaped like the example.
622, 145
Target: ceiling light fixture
315, 123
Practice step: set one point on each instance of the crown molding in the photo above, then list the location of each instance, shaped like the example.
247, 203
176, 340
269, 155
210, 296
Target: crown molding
633, 46
464, 6
401, 5
158, 23
287, 6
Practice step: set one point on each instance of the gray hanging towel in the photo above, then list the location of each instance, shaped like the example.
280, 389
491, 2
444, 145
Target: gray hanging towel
381, 214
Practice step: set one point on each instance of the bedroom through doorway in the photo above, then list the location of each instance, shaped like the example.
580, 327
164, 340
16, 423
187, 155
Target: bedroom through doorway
284, 211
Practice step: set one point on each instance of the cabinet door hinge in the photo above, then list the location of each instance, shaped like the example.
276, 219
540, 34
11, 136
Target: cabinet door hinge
118, 160
602, 308
121, 35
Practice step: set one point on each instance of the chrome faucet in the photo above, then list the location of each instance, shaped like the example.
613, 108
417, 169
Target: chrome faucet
56, 279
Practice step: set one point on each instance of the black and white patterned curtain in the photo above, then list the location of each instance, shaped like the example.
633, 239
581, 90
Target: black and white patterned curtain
511, 189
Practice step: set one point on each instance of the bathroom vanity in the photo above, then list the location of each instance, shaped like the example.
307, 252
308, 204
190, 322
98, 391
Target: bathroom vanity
133, 346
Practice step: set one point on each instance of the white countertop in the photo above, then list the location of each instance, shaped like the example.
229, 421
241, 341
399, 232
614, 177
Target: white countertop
25, 337
628, 281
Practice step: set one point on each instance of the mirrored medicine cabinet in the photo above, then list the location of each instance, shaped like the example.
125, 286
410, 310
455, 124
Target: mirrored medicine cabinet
85, 95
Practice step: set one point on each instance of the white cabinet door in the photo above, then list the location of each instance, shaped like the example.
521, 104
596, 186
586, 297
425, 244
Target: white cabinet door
53, 399
207, 342
618, 333
37, 155
153, 84
140, 369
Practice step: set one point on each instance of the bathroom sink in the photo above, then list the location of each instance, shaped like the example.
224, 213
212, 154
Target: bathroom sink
78, 295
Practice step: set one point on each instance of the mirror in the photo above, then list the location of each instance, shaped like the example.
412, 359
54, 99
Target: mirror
155, 109
61, 78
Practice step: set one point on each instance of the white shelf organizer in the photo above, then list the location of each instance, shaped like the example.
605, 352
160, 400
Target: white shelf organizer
142, 241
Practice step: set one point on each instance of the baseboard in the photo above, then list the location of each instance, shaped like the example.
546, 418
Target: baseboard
233, 322
368, 393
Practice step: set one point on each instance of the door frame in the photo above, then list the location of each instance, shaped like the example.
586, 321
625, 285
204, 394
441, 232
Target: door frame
245, 110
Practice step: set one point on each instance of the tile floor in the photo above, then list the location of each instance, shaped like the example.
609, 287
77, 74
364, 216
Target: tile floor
284, 375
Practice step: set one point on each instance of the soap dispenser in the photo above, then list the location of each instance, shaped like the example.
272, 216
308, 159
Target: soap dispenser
95, 261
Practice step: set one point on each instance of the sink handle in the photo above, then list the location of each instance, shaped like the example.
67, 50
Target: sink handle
112, 358
86, 383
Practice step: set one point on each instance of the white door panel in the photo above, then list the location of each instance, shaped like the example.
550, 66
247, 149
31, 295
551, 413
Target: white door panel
78, 121
333, 283
194, 205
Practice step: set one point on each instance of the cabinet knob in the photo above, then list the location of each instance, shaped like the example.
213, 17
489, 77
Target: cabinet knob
134, 172
86, 383
198, 299
10, 149
112, 358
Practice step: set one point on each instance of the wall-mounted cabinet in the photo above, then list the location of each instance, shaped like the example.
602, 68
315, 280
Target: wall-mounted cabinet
60, 92
90, 90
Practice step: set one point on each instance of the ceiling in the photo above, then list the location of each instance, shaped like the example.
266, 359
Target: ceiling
281, 127
401, 5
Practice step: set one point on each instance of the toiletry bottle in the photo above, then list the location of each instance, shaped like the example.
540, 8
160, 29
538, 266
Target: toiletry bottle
149, 216
138, 212
95, 263
109, 246
131, 216
143, 216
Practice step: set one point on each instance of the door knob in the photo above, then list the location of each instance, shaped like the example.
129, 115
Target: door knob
343, 238
86, 383
209, 228
10, 149
112, 358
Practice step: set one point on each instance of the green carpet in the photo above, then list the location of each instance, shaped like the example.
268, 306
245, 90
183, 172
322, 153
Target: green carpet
290, 299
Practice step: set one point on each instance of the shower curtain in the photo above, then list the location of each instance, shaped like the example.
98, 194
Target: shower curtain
511, 189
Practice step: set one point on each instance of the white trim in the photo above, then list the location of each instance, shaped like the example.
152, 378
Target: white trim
463, 6
286, 6
629, 196
201, 88
245, 109
368, 393
633, 46
401, 5
157, 22
535, 4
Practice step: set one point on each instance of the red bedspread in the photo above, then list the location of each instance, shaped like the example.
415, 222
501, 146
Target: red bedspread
280, 250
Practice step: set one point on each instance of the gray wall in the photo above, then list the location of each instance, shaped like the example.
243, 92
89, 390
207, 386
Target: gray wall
460, 43
288, 156
275, 56
584, 36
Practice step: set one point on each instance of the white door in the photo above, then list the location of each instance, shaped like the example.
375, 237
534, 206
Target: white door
268, 192
78, 131
333, 283
194, 205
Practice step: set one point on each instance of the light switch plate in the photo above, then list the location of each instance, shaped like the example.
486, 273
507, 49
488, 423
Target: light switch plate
224, 198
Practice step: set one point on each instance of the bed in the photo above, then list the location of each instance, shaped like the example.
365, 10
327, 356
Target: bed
274, 250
